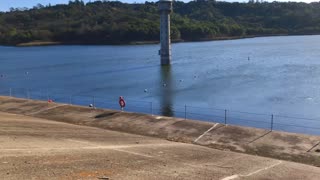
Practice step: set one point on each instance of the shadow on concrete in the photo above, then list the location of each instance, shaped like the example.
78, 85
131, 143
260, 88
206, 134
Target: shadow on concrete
313, 147
260, 137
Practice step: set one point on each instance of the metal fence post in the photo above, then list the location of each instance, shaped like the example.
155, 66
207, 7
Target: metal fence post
185, 112
271, 122
151, 108
225, 117
48, 98
40, 94
70, 99
27, 91
94, 103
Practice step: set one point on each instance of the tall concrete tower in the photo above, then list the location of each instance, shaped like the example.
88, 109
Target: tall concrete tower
165, 8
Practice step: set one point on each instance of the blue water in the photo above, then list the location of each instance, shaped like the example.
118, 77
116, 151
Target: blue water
270, 75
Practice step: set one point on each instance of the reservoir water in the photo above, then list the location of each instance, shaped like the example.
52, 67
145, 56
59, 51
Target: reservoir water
264, 76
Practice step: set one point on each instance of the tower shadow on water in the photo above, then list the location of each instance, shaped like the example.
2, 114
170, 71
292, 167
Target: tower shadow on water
166, 91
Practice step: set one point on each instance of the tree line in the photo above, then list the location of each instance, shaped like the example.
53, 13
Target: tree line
113, 22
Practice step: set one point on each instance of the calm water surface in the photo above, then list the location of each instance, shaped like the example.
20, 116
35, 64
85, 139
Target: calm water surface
272, 75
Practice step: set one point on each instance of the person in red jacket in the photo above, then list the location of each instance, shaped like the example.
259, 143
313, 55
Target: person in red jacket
122, 102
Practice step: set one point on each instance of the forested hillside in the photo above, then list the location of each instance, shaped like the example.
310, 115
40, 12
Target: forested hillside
117, 23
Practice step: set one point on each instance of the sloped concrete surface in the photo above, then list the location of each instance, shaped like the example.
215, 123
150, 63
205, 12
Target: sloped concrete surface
36, 148
280, 145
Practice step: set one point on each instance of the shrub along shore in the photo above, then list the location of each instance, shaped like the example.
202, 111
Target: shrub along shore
112, 22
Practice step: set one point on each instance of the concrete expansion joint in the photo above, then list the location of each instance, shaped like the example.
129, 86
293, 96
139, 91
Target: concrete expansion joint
215, 125
236, 176
46, 109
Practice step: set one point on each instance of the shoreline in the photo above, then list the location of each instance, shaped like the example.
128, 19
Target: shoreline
38, 43
223, 38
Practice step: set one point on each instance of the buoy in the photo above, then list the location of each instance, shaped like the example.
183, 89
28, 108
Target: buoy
145, 90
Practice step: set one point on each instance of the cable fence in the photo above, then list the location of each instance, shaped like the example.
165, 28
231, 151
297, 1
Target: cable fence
5, 92
222, 116
19, 93
297, 124
38, 95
